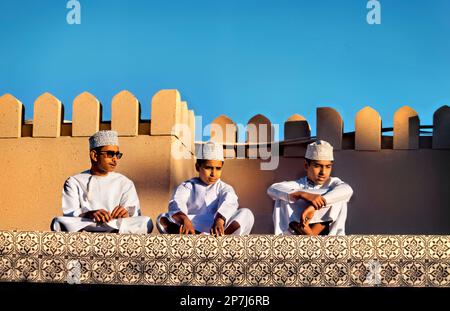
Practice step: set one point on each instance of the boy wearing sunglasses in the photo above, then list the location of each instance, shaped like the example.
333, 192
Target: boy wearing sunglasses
99, 199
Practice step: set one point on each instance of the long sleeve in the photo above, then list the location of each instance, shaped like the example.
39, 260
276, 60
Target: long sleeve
180, 197
70, 199
228, 202
281, 190
339, 191
130, 200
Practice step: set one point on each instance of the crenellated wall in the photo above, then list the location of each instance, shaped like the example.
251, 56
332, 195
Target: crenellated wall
368, 134
401, 182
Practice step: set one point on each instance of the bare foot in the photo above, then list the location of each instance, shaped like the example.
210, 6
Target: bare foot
297, 228
307, 230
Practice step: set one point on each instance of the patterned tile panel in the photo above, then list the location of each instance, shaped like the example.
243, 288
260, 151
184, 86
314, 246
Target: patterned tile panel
256, 260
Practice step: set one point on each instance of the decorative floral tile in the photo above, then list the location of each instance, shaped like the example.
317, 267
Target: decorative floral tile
207, 247
336, 248
79, 244
181, 272
27, 243
309, 247
53, 245
284, 273
207, 273
202, 260
6, 269
105, 245
129, 271
413, 247
233, 273
156, 272
414, 274
232, 248
181, 246
310, 273
53, 270
6, 243
363, 274
336, 274
362, 247
156, 246
259, 273
26, 269
284, 248
439, 247
439, 273
388, 247
258, 247
104, 271
130, 246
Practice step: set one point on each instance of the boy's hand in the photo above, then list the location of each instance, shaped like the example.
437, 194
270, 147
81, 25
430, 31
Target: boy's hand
316, 200
119, 212
218, 228
100, 215
307, 215
187, 227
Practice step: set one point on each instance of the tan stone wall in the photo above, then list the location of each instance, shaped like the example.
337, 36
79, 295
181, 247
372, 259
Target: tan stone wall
35, 169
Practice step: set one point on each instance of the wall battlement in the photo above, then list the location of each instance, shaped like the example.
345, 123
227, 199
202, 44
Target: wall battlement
167, 110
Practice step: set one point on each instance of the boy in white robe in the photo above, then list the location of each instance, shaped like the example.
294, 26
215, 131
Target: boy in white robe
314, 204
99, 199
205, 204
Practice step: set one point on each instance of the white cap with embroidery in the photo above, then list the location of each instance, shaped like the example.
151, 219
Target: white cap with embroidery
210, 151
103, 138
319, 150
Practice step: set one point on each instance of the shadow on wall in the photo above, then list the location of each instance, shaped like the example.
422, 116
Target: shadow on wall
395, 192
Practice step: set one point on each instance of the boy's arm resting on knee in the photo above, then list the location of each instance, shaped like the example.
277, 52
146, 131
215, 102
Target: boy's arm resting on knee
317, 200
338, 193
286, 191
282, 191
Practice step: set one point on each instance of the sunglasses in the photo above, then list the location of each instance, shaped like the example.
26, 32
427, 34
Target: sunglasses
111, 154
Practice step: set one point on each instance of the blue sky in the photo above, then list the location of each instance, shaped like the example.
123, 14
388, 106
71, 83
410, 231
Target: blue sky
238, 58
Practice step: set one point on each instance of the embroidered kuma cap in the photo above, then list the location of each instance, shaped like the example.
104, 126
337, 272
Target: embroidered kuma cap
319, 150
210, 151
103, 138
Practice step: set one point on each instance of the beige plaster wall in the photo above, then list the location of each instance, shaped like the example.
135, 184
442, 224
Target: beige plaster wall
396, 191
34, 171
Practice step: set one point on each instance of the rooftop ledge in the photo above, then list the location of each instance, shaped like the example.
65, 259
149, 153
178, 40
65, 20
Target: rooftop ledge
247, 261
